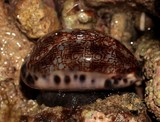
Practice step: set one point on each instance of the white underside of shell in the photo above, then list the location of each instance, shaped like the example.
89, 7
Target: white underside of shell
80, 81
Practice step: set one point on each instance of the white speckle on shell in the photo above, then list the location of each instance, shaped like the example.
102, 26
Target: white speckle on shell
61, 47
61, 66
55, 61
59, 60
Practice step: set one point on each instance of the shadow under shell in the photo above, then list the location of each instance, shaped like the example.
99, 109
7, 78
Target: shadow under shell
74, 99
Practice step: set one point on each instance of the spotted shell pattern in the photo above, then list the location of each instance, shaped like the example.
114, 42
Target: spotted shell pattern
75, 60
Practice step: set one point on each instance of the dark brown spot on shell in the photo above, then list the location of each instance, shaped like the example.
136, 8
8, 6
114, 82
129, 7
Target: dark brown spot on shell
67, 79
57, 79
92, 81
108, 83
82, 78
29, 79
125, 80
116, 81
131, 82
75, 76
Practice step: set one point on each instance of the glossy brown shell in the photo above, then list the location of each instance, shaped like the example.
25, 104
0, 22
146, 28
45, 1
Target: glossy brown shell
80, 50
